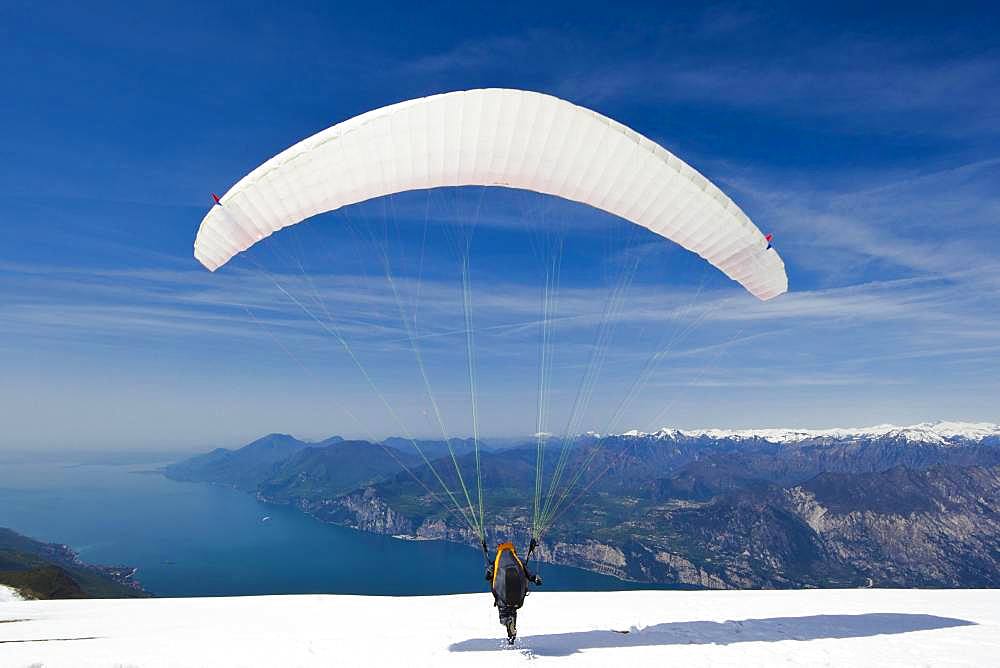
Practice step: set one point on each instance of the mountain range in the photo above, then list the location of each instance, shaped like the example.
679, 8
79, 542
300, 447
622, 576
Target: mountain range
886, 505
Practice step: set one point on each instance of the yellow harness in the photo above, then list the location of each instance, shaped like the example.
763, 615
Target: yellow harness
496, 561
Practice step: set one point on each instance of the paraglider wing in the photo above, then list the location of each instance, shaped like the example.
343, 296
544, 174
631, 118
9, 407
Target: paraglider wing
494, 137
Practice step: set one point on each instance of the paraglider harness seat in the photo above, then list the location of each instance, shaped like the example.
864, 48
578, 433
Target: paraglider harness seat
509, 577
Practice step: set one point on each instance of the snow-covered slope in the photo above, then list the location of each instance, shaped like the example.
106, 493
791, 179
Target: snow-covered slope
942, 433
8, 594
738, 628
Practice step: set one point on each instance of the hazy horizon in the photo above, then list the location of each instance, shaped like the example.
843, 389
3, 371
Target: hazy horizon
149, 450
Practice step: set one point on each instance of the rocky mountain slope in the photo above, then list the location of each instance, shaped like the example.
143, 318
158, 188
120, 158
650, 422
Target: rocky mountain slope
332, 470
936, 527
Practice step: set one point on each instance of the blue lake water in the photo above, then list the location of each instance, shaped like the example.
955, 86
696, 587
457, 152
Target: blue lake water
192, 539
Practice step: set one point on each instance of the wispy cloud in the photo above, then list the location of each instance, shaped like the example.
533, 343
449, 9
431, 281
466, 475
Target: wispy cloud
832, 80
44, 302
862, 81
940, 221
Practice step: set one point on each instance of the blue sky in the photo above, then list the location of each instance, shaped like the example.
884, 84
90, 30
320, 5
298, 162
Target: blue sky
868, 142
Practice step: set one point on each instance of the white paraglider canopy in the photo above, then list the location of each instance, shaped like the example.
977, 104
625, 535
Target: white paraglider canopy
494, 137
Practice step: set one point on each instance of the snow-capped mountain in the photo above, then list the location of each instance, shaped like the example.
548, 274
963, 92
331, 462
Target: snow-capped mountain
940, 433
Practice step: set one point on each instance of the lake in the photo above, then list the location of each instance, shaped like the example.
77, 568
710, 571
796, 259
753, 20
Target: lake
194, 539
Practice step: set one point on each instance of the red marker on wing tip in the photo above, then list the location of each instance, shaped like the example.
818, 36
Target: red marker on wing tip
216, 198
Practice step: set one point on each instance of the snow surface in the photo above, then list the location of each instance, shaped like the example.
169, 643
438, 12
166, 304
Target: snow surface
941, 433
8, 594
693, 628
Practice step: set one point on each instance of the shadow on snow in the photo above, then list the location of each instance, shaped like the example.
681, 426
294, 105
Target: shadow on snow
813, 627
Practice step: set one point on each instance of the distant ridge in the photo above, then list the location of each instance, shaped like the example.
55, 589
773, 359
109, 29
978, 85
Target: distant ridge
940, 433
